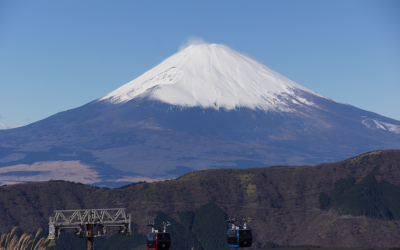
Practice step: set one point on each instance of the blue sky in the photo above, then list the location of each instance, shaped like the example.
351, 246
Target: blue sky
58, 55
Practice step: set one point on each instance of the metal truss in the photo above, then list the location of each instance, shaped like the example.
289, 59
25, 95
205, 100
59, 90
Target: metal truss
85, 221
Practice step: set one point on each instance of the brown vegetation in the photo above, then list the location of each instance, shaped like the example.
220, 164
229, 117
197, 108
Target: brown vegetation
26, 242
282, 201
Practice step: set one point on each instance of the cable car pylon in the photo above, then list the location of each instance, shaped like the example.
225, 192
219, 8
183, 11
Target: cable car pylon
158, 240
88, 221
239, 236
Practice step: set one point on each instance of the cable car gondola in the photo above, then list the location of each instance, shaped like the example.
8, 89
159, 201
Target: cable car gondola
158, 240
239, 237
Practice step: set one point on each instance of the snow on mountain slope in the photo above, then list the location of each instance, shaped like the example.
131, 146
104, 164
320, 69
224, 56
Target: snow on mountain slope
376, 124
212, 75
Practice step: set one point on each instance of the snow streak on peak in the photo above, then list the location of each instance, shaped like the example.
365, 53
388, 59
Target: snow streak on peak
376, 124
213, 75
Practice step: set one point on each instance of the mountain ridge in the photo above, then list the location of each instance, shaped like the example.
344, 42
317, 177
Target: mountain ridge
283, 201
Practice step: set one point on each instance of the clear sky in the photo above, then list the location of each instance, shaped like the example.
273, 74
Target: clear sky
58, 55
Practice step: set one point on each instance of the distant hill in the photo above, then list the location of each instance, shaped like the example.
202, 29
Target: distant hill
352, 203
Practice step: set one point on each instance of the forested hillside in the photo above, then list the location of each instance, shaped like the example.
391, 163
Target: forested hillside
353, 203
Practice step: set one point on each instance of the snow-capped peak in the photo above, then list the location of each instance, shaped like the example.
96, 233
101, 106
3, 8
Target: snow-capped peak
213, 75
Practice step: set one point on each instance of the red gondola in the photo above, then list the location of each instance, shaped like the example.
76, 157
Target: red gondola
158, 240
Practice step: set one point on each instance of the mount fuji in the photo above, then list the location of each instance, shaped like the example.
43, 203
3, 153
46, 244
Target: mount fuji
207, 106
213, 76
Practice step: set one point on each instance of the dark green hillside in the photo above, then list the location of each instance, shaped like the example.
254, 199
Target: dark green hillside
284, 202
368, 197
186, 218
210, 226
